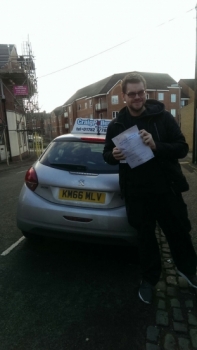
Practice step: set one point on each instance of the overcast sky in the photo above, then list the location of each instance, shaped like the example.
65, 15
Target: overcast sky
154, 36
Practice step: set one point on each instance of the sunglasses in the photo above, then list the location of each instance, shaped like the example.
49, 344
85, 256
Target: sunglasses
134, 94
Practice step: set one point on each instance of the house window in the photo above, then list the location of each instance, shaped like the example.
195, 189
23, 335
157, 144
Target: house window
69, 109
173, 112
90, 103
91, 116
86, 105
173, 97
79, 106
114, 114
160, 96
100, 115
147, 96
114, 99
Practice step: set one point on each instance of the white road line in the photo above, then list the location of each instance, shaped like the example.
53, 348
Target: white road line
7, 251
22, 171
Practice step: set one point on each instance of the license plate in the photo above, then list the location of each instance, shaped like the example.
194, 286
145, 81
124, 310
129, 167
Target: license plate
82, 196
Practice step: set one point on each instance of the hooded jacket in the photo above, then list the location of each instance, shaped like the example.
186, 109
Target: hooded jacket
161, 173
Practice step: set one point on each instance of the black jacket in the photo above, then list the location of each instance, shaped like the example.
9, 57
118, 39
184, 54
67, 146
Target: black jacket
161, 172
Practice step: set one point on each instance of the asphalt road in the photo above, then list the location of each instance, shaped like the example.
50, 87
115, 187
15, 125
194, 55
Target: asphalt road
56, 294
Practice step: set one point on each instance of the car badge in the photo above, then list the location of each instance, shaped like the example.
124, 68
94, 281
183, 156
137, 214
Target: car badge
81, 183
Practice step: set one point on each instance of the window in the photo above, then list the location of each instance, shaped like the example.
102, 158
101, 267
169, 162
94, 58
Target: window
69, 109
173, 97
147, 96
90, 103
160, 96
100, 115
184, 103
114, 114
173, 112
86, 105
70, 155
114, 99
91, 116
79, 106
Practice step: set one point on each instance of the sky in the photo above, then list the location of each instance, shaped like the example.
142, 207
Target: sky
76, 43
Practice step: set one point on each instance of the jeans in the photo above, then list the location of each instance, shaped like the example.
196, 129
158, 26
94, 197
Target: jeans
170, 211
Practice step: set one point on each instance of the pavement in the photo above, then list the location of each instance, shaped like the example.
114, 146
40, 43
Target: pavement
175, 326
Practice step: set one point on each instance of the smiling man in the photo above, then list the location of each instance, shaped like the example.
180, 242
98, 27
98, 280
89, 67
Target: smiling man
152, 190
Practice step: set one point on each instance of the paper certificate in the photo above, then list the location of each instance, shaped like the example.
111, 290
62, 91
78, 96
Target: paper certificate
132, 146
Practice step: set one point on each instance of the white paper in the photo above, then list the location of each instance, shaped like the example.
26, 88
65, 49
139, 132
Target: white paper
132, 146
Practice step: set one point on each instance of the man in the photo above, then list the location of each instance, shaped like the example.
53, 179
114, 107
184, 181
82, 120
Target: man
153, 189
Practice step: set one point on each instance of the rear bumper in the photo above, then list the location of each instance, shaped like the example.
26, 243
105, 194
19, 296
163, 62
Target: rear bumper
38, 216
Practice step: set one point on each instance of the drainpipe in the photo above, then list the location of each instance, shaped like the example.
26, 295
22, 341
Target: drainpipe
6, 119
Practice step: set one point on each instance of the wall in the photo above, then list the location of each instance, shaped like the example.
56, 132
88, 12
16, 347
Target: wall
187, 117
18, 140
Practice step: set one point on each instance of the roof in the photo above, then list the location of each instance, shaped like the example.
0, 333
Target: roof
189, 82
158, 81
5, 50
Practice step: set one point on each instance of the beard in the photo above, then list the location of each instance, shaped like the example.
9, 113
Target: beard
137, 109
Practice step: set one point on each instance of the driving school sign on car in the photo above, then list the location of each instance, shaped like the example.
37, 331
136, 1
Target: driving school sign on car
90, 126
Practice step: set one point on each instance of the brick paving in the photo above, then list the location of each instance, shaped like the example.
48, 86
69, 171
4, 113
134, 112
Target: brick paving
175, 325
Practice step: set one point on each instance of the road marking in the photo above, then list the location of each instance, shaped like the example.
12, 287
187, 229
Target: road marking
21, 171
7, 251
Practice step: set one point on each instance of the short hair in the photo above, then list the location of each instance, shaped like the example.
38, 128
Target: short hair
132, 78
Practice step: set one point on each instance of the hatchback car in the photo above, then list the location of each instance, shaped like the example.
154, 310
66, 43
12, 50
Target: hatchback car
71, 192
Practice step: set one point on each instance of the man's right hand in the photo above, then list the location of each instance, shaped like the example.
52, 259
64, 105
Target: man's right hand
117, 154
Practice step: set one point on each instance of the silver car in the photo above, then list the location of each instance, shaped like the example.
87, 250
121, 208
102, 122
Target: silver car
71, 192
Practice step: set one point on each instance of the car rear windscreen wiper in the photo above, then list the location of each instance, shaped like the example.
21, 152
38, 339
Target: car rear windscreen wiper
70, 167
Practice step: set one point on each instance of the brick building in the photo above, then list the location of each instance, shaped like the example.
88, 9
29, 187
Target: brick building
187, 110
16, 85
103, 99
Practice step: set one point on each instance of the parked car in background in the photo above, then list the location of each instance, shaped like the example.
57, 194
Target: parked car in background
71, 192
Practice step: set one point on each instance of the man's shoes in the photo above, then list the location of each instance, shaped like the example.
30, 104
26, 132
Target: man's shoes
191, 279
146, 292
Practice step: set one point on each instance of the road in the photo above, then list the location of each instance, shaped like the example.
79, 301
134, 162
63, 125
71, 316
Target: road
56, 294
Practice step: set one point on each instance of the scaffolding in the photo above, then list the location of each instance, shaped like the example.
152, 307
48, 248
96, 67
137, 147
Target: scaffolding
30, 104
18, 79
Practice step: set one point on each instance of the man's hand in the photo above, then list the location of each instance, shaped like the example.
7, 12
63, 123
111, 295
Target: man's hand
118, 155
147, 139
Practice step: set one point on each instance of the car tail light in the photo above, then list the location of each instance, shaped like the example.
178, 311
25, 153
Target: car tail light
93, 139
31, 179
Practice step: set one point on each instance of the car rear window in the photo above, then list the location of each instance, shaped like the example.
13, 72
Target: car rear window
77, 156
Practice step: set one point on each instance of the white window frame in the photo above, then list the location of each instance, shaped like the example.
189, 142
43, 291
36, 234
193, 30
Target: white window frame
173, 112
147, 96
160, 96
69, 109
114, 100
173, 98
79, 107
90, 103
86, 105
114, 114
